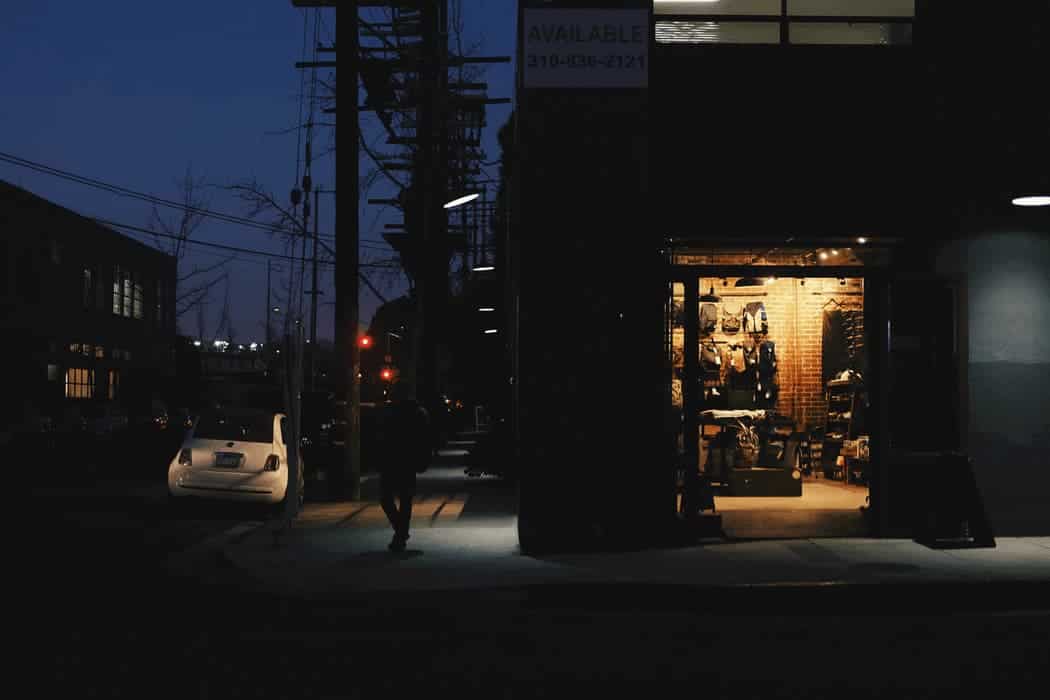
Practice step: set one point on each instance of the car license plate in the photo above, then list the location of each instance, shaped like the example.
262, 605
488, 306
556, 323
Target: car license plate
227, 459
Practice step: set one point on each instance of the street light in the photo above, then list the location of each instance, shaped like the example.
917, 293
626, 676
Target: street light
484, 268
1032, 201
486, 308
462, 200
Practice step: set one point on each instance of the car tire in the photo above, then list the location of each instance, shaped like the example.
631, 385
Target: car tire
276, 510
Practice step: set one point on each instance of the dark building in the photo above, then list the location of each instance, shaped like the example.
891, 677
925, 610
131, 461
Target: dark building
87, 314
840, 171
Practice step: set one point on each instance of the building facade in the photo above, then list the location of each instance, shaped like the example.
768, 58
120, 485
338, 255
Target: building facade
829, 162
88, 313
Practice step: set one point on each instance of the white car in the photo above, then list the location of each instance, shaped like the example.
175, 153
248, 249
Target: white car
237, 456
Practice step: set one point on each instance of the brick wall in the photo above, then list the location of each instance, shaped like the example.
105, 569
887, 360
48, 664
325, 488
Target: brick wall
796, 323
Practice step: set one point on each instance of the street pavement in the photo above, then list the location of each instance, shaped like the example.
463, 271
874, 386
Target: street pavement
131, 599
464, 537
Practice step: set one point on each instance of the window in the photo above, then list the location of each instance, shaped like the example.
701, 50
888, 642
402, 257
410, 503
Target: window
74, 347
820, 22
89, 349
100, 352
89, 288
136, 296
245, 427
126, 291
80, 383
118, 305
114, 383
52, 373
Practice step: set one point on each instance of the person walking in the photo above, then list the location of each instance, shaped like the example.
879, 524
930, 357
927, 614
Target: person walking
406, 449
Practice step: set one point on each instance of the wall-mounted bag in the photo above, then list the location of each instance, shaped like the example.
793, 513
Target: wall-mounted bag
767, 360
755, 320
732, 317
708, 318
710, 359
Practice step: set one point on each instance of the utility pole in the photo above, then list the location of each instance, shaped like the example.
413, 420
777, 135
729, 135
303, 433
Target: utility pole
347, 265
313, 295
269, 306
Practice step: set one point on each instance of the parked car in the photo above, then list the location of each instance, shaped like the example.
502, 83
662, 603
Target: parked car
235, 455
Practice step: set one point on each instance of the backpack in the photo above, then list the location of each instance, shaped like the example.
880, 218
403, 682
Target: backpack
710, 359
755, 320
767, 360
731, 317
708, 318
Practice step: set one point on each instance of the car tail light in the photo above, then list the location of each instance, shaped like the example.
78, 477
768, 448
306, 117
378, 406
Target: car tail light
186, 457
272, 462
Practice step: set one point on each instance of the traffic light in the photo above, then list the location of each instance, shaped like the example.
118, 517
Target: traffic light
364, 342
386, 374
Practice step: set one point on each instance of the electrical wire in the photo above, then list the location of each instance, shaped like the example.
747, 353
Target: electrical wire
220, 246
123, 191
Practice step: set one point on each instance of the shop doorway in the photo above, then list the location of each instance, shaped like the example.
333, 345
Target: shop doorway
767, 385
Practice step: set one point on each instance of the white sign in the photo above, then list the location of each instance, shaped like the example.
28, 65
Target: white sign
584, 48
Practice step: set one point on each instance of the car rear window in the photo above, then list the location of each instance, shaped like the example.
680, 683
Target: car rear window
235, 427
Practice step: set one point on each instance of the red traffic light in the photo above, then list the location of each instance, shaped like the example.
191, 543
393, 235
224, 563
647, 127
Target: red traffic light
386, 374
364, 342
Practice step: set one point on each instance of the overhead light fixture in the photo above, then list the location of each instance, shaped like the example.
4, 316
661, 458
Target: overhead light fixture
771, 280
462, 200
862, 240
823, 255
842, 281
834, 251
484, 268
749, 282
1034, 201
490, 331
485, 308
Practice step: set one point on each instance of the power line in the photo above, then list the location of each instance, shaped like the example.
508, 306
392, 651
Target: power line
220, 246
123, 191
152, 199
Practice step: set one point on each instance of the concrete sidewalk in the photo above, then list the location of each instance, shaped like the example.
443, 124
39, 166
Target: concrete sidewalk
328, 553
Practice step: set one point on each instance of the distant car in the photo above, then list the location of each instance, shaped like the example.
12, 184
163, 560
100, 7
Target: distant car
236, 456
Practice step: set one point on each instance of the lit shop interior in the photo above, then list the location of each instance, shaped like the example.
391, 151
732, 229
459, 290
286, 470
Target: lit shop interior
771, 400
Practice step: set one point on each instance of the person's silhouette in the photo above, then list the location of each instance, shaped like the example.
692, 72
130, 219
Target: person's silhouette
406, 450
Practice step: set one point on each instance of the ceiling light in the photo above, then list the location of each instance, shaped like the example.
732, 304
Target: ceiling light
1035, 201
862, 240
771, 280
834, 252
490, 331
823, 255
461, 200
485, 308
484, 268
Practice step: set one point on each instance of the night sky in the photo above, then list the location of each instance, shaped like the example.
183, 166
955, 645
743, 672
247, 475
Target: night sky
133, 93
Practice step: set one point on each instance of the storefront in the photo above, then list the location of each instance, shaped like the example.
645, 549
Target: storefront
749, 265
768, 356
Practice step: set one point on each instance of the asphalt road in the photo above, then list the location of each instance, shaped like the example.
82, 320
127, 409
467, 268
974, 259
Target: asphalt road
96, 616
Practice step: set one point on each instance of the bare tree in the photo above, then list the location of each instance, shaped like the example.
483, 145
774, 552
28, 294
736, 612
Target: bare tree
172, 235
